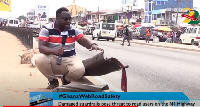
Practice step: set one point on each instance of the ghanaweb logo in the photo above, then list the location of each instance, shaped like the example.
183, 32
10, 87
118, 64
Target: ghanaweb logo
191, 17
41, 99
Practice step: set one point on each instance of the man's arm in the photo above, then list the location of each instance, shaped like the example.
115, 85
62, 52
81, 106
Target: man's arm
43, 38
46, 50
43, 44
43, 48
85, 42
88, 44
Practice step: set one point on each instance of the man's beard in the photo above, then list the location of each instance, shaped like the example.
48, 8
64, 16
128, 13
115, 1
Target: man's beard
67, 27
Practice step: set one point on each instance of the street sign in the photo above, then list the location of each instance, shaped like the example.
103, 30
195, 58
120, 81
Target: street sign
42, 13
5, 5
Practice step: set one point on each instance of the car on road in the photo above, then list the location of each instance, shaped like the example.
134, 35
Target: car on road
89, 30
106, 31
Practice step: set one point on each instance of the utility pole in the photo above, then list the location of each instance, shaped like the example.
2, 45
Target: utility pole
98, 13
171, 16
177, 10
122, 17
79, 17
127, 14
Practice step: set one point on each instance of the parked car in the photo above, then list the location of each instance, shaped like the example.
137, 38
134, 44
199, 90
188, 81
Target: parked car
89, 30
190, 35
13, 22
140, 32
136, 32
34, 26
162, 36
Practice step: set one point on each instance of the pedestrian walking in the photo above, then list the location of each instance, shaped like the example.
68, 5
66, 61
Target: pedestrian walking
175, 37
168, 37
126, 36
178, 34
148, 34
172, 36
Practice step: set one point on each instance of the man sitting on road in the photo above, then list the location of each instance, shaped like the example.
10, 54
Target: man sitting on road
51, 48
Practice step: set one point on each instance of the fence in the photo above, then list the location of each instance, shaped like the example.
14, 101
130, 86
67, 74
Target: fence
25, 35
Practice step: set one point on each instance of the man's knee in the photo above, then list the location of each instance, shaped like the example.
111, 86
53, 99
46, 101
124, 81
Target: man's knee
77, 72
80, 71
40, 59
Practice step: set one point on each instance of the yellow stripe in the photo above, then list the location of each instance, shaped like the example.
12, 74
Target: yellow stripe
186, 19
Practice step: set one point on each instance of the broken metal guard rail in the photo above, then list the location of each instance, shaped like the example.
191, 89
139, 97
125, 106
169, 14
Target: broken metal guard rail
25, 35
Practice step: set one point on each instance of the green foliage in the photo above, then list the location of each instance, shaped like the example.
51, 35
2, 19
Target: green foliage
22, 17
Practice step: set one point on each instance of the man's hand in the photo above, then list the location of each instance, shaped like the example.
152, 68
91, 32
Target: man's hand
58, 51
86, 43
95, 47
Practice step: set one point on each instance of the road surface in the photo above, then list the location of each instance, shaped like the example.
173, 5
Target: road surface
151, 69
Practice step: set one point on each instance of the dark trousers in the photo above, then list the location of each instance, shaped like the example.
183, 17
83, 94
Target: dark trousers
126, 38
147, 38
172, 39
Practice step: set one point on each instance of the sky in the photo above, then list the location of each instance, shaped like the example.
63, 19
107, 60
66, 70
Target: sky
196, 4
21, 7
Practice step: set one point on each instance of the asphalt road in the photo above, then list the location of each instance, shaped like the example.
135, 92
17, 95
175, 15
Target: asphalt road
152, 69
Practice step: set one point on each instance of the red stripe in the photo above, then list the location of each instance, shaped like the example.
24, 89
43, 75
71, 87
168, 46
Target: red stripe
43, 38
189, 17
79, 36
69, 106
59, 39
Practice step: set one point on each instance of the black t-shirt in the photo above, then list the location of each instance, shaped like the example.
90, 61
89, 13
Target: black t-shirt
126, 31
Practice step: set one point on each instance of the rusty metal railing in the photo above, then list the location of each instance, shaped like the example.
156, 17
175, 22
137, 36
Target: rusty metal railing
25, 35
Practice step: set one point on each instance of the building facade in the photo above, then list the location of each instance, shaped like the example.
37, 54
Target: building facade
131, 12
76, 10
164, 12
148, 11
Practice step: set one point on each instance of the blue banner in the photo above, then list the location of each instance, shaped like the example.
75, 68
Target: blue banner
120, 96
101, 98
34, 96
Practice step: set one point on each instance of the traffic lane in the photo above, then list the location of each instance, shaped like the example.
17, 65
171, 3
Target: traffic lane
153, 68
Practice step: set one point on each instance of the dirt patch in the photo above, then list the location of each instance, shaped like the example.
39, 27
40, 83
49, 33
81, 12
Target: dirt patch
16, 81
27, 56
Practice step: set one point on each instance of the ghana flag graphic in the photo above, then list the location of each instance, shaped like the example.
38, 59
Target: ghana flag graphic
191, 17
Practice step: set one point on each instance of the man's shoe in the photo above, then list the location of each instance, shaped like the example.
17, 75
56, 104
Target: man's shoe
64, 81
122, 44
53, 84
129, 45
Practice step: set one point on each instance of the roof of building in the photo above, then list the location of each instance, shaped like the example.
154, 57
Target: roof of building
101, 11
113, 11
52, 16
